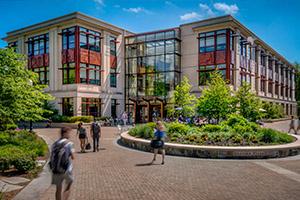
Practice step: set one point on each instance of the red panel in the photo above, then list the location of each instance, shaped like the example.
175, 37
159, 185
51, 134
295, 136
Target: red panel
113, 61
206, 58
38, 61
220, 57
84, 56
95, 58
68, 55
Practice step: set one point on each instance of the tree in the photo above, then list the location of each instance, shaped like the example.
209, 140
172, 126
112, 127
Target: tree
297, 89
21, 96
182, 102
216, 101
249, 103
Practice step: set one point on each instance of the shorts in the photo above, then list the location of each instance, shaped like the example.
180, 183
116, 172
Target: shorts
57, 179
82, 136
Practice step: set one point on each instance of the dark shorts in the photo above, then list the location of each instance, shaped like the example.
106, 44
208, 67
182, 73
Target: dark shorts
157, 144
82, 136
58, 179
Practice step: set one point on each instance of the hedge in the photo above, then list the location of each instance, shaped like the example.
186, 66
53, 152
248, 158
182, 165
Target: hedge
19, 149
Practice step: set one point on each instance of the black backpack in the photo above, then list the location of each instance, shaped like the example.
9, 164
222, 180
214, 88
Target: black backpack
96, 128
59, 160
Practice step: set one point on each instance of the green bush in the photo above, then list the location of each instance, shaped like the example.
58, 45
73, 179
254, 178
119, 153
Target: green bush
60, 118
143, 130
176, 127
20, 149
86, 119
272, 111
211, 128
18, 157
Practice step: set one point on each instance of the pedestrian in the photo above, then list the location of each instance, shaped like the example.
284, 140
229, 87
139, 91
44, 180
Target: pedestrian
96, 134
293, 125
81, 132
158, 141
62, 154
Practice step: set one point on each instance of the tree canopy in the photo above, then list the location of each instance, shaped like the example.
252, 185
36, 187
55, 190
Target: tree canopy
249, 104
216, 101
183, 102
21, 96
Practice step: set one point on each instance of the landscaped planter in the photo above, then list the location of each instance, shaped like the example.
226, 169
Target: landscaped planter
249, 152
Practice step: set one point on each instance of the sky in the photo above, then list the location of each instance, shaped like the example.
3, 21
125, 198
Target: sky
277, 22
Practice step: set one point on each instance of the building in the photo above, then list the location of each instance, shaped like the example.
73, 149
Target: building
95, 68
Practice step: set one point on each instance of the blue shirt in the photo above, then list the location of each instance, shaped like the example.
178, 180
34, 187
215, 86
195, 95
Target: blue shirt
159, 134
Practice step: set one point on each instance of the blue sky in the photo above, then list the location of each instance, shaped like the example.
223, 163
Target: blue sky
277, 22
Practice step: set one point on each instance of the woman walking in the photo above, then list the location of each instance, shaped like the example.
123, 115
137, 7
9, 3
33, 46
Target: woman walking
158, 141
82, 136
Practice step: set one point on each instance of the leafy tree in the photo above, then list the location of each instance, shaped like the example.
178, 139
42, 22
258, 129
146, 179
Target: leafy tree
216, 101
182, 102
21, 96
272, 110
249, 103
297, 82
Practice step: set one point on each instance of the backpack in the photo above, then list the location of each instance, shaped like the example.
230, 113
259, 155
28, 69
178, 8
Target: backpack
59, 160
96, 128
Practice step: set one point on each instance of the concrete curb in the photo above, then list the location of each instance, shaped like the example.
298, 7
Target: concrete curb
232, 152
38, 186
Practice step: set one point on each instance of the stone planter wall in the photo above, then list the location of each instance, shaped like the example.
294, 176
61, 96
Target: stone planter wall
258, 152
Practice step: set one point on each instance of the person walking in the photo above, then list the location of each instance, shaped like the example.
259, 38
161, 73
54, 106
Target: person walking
158, 141
81, 132
293, 125
62, 154
96, 134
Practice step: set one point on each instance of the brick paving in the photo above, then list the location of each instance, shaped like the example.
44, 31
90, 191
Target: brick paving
120, 173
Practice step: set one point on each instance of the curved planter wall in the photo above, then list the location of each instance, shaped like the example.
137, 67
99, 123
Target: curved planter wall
259, 152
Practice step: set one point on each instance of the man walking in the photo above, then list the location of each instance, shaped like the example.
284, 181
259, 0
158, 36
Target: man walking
293, 125
62, 152
96, 134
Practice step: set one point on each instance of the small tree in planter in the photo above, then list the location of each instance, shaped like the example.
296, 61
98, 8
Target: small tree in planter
182, 102
249, 103
216, 101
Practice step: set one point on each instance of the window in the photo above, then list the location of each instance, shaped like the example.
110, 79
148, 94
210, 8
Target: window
205, 72
91, 107
113, 46
43, 74
68, 38
68, 73
114, 108
212, 41
113, 77
89, 39
67, 106
38, 45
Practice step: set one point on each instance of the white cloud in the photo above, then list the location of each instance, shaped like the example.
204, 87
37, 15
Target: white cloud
208, 11
137, 10
169, 3
99, 2
190, 16
227, 9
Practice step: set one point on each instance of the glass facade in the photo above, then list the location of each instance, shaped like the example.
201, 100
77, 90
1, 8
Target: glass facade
113, 68
152, 65
68, 106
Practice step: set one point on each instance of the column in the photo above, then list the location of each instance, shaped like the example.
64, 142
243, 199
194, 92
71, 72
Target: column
279, 80
284, 80
237, 79
258, 72
293, 85
273, 76
267, 74
77, 106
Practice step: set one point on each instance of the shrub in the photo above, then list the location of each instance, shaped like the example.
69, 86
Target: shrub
211, 128
143, 130
18, 157
86, 119
268, 135
176, 127
273, 111
60, 118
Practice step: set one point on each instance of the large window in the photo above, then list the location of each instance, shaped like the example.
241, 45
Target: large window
205, 72
113, 77
90, 39
212, 41
38, 45
68, 38
68, 106
68, 73
91, 107
90, 74
43, 74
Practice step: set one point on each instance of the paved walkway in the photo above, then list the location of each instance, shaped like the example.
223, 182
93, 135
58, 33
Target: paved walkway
120, 173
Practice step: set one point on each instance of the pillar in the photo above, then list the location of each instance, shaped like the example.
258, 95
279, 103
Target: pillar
258, 72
